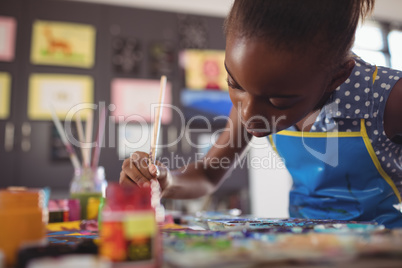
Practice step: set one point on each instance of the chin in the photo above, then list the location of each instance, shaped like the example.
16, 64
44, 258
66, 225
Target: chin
259, 134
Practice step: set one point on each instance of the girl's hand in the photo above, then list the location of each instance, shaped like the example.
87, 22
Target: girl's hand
137, 171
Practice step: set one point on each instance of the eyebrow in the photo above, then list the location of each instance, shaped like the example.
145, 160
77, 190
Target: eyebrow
280, 96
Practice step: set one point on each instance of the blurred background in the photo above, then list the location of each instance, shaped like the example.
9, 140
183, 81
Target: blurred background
112, 53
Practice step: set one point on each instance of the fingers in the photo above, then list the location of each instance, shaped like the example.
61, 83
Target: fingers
125, 181
158, 171
161, 172
135, 169
140, 160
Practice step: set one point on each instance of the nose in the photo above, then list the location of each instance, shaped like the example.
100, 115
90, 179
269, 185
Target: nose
251, 107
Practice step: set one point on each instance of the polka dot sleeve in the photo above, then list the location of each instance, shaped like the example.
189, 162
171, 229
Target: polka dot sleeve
385, 81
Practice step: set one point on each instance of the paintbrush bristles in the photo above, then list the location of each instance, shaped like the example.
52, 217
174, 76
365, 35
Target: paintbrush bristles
158, 118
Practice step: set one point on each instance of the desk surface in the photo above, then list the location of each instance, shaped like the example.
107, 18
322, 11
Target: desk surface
279, 243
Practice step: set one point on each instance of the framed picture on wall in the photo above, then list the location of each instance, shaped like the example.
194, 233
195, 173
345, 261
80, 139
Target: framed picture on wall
136, 137
204, 69
8, 27
62, 43
206, 91
134, 100
5, 94
65, 93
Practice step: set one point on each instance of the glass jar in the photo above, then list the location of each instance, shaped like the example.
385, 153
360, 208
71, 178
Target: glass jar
87, 183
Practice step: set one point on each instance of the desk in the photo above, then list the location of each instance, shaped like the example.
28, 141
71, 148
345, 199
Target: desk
234, 243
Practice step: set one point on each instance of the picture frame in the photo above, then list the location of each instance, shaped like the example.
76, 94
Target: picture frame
62, 43
5, 95
65, 93
128, 106
8, 28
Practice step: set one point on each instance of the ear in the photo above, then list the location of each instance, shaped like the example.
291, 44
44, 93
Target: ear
341, 74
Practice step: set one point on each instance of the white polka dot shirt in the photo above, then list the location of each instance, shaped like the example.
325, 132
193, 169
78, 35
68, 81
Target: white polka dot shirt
358, 98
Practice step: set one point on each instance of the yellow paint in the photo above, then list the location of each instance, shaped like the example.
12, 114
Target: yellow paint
63, 226
5, 95
139, 224
172, 226
93, 208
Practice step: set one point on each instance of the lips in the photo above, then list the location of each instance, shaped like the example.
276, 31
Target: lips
258, 129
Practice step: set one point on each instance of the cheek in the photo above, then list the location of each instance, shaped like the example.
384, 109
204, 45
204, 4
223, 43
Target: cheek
236, 99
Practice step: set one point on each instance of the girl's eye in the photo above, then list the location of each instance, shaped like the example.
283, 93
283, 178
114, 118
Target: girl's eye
233, 84
283, 103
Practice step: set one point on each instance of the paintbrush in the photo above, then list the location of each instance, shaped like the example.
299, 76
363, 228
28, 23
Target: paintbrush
99, 138
80, 131
156, 193
88, 138
157, 122
69, 147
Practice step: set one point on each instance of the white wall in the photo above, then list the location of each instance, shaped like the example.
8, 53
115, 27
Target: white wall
270, 181
217, 8
388, 10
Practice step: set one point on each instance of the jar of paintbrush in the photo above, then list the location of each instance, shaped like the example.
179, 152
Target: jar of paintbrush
88, 183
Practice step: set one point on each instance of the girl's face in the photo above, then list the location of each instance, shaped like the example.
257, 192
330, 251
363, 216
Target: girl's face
272, 90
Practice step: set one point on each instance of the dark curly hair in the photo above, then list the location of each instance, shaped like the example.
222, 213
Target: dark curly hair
325, 27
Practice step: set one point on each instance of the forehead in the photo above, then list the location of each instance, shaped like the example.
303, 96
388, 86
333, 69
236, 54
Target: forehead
254, 64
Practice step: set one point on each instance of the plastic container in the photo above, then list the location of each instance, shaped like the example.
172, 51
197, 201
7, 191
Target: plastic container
23, 221
130, 235
87, 183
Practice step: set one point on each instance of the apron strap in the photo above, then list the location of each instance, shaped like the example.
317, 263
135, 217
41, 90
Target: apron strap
376, 162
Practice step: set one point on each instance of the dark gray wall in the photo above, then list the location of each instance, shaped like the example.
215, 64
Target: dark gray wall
35, 168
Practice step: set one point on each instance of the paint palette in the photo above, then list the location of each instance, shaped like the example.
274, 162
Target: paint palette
291, 225
260, 242
235, 248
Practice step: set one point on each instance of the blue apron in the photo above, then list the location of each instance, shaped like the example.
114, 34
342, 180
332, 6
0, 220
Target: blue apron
336, 175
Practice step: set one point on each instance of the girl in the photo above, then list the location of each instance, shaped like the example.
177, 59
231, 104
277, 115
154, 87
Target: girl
334, 119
